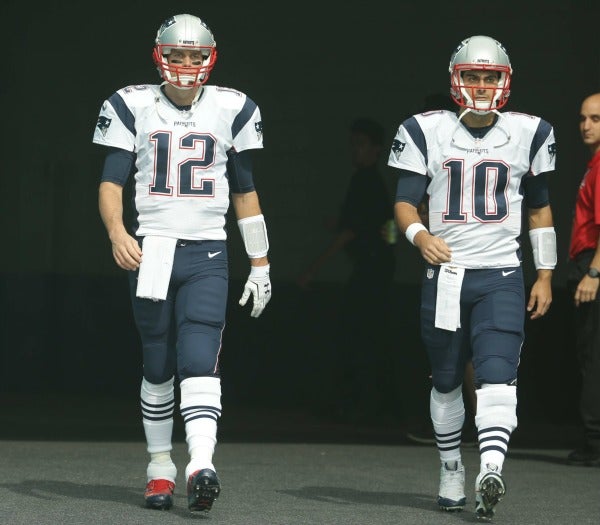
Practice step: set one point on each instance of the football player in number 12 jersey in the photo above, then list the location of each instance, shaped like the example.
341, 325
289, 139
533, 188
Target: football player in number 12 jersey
187, 146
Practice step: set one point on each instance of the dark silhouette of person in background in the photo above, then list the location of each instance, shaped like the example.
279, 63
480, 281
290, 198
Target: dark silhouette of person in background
366, 298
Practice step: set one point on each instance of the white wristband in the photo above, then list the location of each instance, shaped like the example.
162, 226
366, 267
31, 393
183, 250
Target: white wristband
413, 229
260, 271
254, 234
543, 243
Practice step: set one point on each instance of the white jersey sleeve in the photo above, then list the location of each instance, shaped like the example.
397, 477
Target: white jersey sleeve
181, 183
116, 125
475, 197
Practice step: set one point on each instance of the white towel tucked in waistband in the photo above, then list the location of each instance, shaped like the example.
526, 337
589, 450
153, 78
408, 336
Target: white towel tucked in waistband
447, 307
156, 267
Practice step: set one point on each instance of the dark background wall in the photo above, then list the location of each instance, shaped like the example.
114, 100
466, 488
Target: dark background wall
312, 68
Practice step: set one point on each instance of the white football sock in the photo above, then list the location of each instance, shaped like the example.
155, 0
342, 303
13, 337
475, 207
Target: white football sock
496, 419
158, 403
448, 416
200, 408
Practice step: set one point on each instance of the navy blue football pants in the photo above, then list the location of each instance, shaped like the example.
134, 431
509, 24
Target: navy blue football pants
182, 334
492, 318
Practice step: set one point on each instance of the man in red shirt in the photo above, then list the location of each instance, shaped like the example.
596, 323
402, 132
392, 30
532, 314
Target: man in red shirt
584, 282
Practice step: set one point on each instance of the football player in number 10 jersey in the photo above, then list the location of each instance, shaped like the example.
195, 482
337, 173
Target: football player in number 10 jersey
478, 169
187, 146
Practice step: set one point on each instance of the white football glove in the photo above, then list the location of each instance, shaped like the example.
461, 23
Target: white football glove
259, 285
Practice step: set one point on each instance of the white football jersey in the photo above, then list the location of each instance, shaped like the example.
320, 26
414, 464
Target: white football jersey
475, 193
181, 185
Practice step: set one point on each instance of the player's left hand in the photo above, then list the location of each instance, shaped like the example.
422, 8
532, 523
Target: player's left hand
540, 298
259, 286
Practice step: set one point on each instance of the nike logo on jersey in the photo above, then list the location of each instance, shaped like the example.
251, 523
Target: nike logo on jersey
504, 274
213, 254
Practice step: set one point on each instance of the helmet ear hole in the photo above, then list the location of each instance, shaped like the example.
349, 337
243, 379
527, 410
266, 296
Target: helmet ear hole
189, 33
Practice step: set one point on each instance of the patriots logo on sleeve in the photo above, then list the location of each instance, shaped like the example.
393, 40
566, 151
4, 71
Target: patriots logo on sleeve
398, 147
103, 124
552, 149
258, 127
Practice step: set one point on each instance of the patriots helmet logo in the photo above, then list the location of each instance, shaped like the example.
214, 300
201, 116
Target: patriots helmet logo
167, 23
552, 149
103, 124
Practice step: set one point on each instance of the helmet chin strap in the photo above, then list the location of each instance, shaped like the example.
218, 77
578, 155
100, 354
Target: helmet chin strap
472, 104
469, 146
160, 110
183, 88
501, 128
177, 77
182, 78
481, 111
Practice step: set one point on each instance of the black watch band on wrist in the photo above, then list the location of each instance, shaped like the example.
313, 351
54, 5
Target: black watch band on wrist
593, 272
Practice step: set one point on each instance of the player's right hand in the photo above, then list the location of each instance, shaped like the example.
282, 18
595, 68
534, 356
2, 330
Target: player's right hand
126, 252
433, 249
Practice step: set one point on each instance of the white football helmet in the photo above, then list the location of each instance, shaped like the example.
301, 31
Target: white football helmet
190, 33
480, 53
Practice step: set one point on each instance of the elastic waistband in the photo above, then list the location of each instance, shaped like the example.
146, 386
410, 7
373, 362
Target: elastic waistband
185, 242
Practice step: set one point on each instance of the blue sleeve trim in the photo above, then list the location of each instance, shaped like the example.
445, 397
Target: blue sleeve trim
243, 116
123, 112
416, 134
541, 134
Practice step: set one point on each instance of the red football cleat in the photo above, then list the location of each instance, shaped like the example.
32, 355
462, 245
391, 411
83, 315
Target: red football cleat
159, 494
